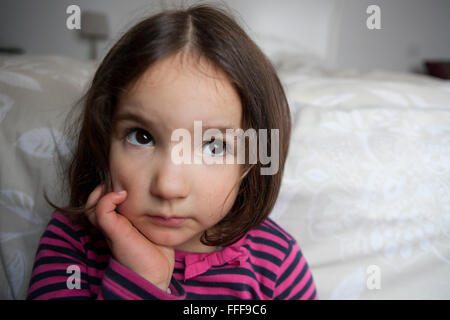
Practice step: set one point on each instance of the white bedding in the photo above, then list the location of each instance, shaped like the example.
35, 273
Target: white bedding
366, 190
367, 183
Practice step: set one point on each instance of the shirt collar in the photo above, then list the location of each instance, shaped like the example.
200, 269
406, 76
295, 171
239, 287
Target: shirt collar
198, 263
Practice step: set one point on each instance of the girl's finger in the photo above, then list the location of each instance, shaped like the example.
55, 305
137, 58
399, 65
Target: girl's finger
109, 202
105, 211
91, 201
95, 196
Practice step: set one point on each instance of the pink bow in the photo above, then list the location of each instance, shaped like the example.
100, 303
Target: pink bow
199, 263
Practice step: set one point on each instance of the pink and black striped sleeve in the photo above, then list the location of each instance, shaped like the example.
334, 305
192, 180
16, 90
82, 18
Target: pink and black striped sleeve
64, 248
121, 283
295, 280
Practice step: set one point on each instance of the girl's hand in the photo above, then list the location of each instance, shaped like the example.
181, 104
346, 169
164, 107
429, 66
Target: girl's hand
128, 246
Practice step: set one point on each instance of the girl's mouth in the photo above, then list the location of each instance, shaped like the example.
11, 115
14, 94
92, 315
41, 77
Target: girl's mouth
167, 221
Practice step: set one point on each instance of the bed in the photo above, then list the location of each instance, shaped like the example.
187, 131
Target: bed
366, 189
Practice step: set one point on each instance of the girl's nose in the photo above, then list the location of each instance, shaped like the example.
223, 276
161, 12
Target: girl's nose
169, 181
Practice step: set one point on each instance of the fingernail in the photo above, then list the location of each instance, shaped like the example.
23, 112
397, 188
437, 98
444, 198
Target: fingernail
122, 192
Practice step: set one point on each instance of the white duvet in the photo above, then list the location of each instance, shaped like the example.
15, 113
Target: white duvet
367, 184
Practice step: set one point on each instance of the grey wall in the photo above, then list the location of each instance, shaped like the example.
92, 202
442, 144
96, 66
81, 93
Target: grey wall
333, 29
411, 30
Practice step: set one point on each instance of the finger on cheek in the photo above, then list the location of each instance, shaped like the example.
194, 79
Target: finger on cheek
108, 203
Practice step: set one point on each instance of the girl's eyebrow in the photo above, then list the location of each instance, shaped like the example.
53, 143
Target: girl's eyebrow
124, 116
128, 116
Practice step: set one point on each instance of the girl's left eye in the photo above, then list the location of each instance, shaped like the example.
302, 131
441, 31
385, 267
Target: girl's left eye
139, 137
215, 147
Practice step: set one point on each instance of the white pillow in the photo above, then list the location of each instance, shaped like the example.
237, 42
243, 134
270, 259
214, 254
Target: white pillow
285, 53
36, 93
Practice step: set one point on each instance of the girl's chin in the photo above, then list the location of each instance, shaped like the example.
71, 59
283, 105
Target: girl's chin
166, 239
188, 245
180, 239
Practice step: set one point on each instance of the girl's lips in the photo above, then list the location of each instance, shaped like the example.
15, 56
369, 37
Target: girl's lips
168, 222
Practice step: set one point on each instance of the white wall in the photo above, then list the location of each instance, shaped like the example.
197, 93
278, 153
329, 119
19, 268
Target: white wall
39, 26
333, 29
411, 31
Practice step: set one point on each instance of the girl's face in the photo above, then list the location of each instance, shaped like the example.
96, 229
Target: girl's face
173, 204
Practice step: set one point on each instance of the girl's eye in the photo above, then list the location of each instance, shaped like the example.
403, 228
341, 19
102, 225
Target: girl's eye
215, 147
139, 137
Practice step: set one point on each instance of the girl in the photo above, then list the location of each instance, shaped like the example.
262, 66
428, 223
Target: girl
139, 226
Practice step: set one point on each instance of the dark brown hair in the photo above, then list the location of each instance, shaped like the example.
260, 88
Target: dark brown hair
209, 32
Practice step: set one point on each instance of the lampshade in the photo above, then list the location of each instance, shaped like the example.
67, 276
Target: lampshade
94, 24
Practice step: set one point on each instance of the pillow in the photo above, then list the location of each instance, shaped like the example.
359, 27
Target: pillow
36, 93
285, 53
366, 189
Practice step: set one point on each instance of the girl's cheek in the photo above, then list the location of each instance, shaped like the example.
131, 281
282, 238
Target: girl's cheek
120, 168
219, 187
122, 178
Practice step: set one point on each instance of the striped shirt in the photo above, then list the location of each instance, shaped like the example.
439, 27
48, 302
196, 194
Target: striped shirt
74, 262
